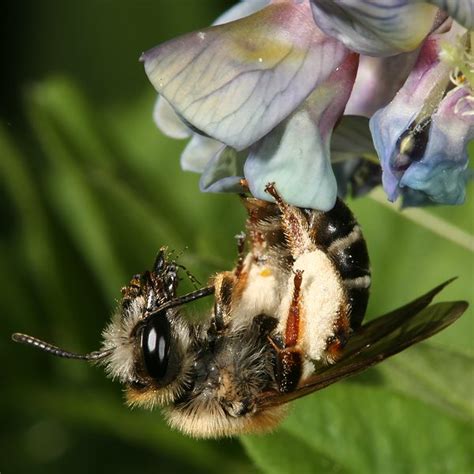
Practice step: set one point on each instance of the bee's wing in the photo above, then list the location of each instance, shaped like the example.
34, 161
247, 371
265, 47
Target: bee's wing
376, 341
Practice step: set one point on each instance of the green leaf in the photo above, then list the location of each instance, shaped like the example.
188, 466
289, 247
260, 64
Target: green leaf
436, 376
284, 452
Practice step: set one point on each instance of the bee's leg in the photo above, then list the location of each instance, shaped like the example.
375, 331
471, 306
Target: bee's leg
336, 343
244, 185
294, 224
240, 252
224, 284
289, 361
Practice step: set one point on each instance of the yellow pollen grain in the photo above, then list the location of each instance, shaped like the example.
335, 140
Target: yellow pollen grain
266, 272
406, 145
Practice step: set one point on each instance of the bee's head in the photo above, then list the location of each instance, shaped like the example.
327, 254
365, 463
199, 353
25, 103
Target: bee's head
147, 345
149, 351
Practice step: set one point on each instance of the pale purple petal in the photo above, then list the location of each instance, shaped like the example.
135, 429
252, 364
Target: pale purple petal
295, 155
164, 116
377, 82
236, 82
168, 121
199, 152
375, 28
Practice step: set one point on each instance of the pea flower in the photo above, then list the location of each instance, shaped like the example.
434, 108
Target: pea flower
263, 91
432, 119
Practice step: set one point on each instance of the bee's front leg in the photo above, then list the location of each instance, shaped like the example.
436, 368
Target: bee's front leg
241, 254
224, 284
294, 224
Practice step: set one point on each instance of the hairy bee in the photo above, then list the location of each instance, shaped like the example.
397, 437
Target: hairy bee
286, 322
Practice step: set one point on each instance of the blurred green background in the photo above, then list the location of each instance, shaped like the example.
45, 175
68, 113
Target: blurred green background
90, 190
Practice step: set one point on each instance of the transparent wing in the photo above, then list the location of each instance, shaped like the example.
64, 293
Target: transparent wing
377, 340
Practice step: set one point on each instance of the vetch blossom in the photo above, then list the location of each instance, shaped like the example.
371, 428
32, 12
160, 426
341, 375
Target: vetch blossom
422, 135
261, 92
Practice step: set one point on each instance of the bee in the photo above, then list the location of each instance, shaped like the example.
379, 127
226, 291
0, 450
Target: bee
286, 322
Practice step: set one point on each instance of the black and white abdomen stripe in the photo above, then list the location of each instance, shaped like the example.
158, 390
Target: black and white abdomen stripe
339, 235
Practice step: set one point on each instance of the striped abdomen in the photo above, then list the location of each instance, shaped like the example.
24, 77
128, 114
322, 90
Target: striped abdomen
339, 235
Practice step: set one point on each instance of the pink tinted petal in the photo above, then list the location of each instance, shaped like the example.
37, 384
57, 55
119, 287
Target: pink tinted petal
237, 81
295, 155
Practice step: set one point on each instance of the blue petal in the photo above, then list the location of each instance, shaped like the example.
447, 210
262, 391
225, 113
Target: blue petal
296, 159
441, 181
295, 155
199, 152
224, 172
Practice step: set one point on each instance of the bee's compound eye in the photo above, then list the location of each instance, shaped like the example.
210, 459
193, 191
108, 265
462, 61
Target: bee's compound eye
155, 344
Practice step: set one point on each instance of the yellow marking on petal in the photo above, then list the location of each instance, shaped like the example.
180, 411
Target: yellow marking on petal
256, 39
259, 50
266, 272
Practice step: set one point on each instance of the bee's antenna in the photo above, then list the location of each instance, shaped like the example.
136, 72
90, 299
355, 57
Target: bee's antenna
57, 351
187, 298
195, 282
